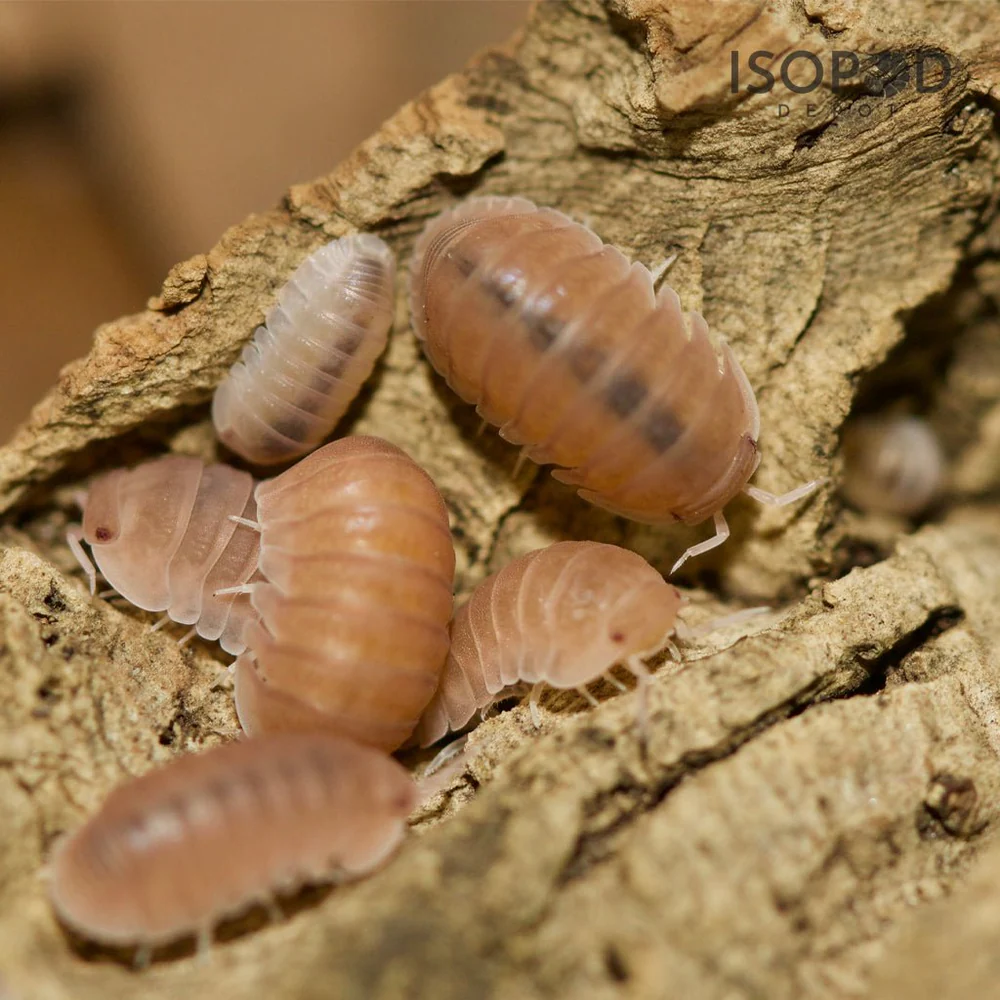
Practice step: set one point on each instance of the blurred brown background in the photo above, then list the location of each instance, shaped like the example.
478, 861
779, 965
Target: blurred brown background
133, 134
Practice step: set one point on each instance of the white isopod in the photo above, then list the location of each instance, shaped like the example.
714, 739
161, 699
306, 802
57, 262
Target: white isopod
892, 464
318, 345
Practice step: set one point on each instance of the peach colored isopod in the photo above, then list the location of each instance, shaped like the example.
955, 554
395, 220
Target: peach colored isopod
353, 631
163, 536
563, 345
892, 464
175, 851
315, 350
561, 616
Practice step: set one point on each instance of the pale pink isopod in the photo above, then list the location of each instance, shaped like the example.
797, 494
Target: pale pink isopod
561, 616
205, 837
318, 345
892, 464
164, 536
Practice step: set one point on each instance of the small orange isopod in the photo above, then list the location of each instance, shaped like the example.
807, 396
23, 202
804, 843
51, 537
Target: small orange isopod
561, 616
564, 346
358, 565
165, 536
315, 350
207, 836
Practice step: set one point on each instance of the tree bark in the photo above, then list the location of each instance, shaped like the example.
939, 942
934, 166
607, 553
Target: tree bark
811, 777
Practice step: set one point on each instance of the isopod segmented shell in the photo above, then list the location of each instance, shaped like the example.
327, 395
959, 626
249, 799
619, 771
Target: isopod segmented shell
359, 562
162, 535
564, 346
561, 616
173, 852
892, 464
316, 348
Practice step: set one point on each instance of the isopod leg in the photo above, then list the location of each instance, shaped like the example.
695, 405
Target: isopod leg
536, 693
204, 945
783, 499
245, 521
641, 671
74, 539
583, 690
159, 624
187, 637
721, 534
614, 682
661, 269
445, 754
143, 956
724, 621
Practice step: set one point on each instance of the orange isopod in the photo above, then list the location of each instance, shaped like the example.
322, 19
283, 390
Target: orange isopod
563, 616
205, 837
165, 536
308, 361
358, 563
564, 346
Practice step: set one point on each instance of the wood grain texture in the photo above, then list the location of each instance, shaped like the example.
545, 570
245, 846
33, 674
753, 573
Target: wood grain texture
811, 781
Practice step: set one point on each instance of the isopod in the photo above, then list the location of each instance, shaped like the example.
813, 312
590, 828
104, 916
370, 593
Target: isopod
318, 345
163, 535
564, 346
358, 562
561, 616
207, 836
892, 464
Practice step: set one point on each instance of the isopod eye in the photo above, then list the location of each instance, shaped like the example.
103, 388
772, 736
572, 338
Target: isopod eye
101, 516
617, 636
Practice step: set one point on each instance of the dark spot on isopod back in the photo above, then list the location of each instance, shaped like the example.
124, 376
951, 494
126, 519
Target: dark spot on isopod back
617, 636
585, 361
103, 535
662, 429
290, 427
625, 393
543, 330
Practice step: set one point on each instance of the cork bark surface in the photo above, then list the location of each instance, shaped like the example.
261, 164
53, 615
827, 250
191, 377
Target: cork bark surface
815, 780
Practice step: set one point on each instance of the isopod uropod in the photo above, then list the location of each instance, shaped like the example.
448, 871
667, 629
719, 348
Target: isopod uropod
316, 348
564, 346
173, 852
892, 464
358, 561
164, 536
562, 616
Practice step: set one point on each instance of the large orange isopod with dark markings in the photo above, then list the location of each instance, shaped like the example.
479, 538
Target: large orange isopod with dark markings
359, 562
563, 344
173, 852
